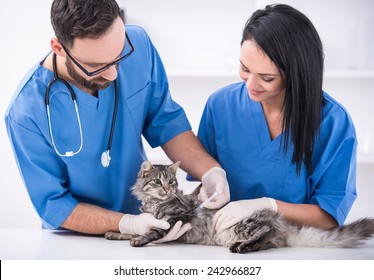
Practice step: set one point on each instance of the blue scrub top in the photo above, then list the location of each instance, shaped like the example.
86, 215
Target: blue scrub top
56, 184
233, 129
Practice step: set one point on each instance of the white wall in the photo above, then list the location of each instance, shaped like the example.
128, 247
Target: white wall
199, 43
26, 31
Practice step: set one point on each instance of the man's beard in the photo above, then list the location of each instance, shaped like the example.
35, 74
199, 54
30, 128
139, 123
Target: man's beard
92, 85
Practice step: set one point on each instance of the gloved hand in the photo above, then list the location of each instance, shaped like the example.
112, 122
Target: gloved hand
236, 211
214, 180
177, 231
140, 224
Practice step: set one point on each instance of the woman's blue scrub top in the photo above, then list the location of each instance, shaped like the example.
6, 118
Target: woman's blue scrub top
233, 129
56, 184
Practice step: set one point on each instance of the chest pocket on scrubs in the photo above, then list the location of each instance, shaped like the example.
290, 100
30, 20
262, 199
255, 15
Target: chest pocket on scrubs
137, 105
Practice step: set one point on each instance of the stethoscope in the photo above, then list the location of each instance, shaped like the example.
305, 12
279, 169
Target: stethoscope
105, 156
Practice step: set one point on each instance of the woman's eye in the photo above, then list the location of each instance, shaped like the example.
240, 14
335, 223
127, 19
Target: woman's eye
244, 69
268, 80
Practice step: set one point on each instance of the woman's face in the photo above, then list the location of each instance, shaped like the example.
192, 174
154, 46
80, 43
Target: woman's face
262, 77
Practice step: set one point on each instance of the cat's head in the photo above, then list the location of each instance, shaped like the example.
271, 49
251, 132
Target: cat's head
157, 181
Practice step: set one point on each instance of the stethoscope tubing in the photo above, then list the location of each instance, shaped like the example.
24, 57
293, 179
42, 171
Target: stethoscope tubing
105, 158
114, 117
68, 153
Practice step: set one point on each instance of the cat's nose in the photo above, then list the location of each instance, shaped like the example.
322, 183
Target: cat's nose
166, 189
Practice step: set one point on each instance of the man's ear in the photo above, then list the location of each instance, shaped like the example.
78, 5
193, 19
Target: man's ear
56, 46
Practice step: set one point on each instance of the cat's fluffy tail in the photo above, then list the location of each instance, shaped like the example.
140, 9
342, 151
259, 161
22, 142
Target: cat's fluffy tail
349, 235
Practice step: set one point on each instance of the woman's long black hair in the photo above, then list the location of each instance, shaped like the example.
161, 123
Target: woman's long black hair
291, 41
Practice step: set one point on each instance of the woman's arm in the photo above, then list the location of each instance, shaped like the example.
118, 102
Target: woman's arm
306, 214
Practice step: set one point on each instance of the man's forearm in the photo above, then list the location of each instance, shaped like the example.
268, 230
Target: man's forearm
92, 219
187, 148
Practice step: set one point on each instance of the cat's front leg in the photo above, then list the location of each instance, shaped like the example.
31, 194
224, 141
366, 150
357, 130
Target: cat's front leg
110, 235
151, 235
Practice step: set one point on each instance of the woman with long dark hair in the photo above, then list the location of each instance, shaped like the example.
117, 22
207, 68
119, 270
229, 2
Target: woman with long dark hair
284, 142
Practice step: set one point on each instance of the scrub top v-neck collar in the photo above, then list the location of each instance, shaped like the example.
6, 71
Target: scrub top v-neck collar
84, 98
262, 127
93, 102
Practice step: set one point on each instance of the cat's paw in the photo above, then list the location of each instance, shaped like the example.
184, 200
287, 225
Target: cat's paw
233, 247
240, 247
111, 235
138, 242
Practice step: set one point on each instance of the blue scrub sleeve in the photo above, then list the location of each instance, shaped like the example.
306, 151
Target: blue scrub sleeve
43, 174
206, 136
336, 189
165, 118
206, 132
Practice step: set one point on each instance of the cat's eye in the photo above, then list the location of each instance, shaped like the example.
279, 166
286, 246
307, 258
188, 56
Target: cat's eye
158, 181
171, 181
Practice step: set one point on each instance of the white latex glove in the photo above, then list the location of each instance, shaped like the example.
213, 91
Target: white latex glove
236, 211
177, 231
214, 180
140, 224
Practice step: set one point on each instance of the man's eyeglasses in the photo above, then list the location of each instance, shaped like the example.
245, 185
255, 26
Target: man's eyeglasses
117, 61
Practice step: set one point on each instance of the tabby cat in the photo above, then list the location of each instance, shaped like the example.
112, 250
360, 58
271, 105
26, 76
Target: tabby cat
157, 188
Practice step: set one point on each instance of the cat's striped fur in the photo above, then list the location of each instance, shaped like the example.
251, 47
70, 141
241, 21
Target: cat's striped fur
157, 188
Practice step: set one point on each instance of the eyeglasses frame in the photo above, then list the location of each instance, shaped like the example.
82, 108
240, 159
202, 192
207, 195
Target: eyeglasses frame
102, 69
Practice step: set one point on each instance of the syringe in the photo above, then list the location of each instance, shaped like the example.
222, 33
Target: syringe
209, 199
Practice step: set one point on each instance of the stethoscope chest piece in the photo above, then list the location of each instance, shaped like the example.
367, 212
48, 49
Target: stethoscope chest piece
105, 159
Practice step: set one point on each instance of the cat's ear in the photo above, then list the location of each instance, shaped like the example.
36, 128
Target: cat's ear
174, 166
146, 167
